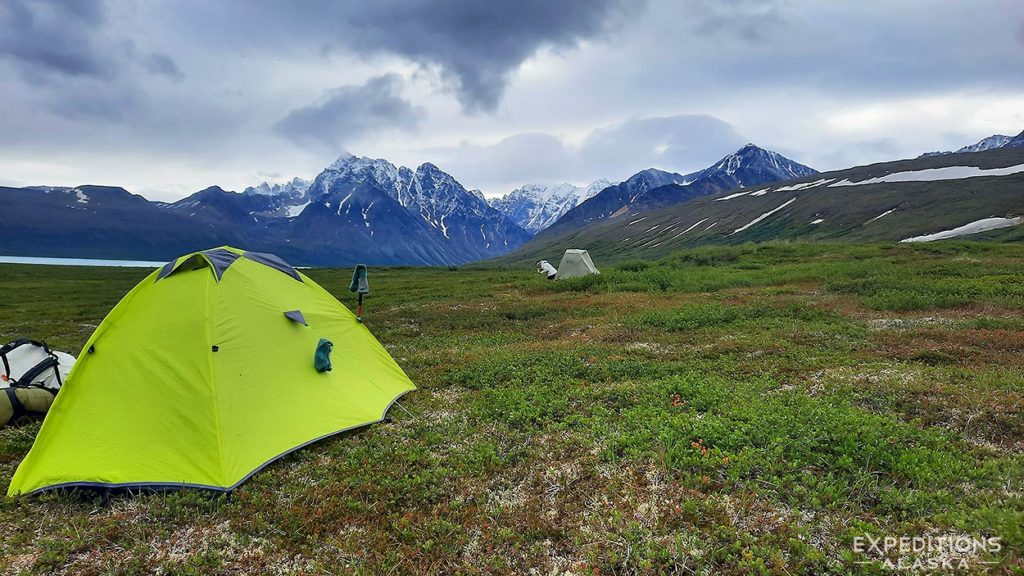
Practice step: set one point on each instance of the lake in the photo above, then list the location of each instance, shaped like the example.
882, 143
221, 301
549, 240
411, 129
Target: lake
78, 262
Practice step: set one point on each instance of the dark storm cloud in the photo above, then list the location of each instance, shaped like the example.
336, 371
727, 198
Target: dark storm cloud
77, 67
477, 44
474, 44
351, 111
55, 37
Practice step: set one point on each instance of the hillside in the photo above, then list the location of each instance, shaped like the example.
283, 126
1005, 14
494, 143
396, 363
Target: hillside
98, 222
652, 188
833, 206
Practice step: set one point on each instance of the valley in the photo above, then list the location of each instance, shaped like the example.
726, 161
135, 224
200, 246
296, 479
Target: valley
729, 409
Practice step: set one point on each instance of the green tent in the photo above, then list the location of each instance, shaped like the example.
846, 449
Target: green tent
203, 374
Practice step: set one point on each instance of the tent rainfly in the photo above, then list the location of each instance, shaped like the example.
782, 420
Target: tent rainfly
203, 374
576, 263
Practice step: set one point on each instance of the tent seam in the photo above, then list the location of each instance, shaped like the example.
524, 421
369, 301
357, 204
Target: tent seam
214, 388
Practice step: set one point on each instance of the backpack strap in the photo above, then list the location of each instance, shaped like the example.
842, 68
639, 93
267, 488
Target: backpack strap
17, 407
10, 346
48, 363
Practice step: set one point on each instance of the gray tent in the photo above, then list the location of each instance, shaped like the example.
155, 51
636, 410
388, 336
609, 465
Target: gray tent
576, 263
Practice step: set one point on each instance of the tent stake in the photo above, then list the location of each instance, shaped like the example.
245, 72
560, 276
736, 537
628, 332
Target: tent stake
399, 404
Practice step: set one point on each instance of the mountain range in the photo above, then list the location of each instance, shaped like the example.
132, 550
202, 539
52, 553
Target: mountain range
364, 210
358, 210
363, 206
976, 194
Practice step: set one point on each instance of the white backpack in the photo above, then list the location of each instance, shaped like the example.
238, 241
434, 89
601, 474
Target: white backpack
30, 376
30, 363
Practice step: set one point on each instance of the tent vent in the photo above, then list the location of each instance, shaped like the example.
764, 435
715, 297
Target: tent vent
218, 259
296, 316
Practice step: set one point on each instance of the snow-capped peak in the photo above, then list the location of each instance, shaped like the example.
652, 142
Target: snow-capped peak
594, 187
383, 173
769, 166
343, 159
537, 206
990, 143
296, 187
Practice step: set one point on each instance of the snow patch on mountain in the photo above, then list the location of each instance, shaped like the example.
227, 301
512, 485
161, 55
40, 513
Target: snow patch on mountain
293, 211
731, 196
983, 225
882, 215
934, 174
804, 185
763, 216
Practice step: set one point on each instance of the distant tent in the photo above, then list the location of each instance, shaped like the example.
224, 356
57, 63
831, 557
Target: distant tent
576, 263
203, 374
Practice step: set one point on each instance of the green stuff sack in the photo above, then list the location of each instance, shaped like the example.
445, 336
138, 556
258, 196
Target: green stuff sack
322, 358
21, 404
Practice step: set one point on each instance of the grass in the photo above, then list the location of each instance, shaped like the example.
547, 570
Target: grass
731, 410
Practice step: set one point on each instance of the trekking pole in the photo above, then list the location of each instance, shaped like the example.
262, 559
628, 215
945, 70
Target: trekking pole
360, 286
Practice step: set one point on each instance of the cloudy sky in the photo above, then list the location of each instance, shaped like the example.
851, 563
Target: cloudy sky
165, 97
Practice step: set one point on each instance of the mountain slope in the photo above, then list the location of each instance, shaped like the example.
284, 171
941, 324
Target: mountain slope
353, 217
652, 189
612, 199
470, 226
890, 202
396, 215
534, 207
98, 222
218, 207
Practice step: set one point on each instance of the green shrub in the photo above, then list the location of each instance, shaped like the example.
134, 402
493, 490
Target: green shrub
635, 265
905, 300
